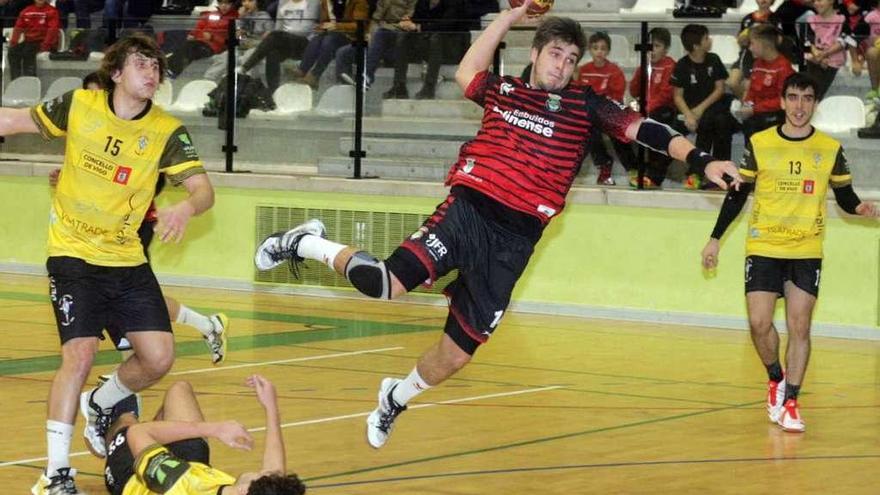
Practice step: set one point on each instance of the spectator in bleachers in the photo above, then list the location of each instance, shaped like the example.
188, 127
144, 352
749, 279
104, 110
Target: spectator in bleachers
762, 107
437, 32
294, 24
742, 68
9, 10
336, 28
873, 53
828, 36
606, 79
789, 12
252, 25
206, 39
854, 14
698, 80
660, 106
38, 25
385, 27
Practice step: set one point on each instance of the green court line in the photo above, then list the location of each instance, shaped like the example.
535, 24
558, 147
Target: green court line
532, 442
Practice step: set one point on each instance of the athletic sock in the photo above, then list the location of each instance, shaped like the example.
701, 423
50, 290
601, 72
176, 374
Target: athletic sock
410, 387
200, 322
774, 372
110, 392
312, 247
58, 436
792, 391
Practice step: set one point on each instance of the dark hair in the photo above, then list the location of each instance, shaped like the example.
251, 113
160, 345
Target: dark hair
92, 78
692, 35
766, 33
277, 484
117, 54
800, 80
561, 29
600, 36
662, 35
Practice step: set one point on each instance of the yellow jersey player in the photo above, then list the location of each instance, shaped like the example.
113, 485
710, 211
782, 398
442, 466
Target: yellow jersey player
169, 455
790, 168
117, 144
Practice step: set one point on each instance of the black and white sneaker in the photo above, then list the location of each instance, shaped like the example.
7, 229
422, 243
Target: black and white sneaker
281, 246
60, 484
381, 420
97, 423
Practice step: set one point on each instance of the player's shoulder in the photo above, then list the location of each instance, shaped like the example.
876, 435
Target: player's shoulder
824, 140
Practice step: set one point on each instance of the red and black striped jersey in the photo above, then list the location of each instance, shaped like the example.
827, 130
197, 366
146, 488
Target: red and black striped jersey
532, 142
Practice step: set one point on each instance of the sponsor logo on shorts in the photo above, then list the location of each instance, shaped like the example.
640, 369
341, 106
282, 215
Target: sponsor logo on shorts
435, 247
65, 305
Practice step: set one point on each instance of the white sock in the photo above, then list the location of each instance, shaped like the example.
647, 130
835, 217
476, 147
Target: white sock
317, 248
58, 436
194, 319
410, 387
111, 392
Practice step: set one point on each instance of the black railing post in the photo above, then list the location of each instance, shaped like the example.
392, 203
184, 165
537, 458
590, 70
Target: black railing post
360, 48
229, 148
496, 59
644, 48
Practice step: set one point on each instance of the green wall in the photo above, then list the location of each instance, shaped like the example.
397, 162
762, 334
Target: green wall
596, 256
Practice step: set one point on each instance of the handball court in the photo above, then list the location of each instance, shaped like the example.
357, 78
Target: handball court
552, 405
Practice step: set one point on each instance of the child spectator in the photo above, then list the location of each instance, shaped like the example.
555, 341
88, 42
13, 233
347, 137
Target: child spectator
252, 26
854, 14
606, 79
742, 68
39, 23
698, 80
762, 107
294, 25
207, 39
659, 101
873, 52
336, 28
828, 35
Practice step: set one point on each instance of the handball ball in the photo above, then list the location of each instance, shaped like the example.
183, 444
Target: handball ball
538, 7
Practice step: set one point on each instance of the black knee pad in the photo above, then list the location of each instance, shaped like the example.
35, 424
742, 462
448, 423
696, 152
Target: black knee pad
369, 275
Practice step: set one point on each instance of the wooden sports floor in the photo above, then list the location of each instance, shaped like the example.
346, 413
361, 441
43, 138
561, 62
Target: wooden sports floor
553, 405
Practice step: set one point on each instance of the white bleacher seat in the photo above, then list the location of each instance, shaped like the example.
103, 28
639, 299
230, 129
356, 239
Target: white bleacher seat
289, 98
650, 7
621, 52
165, 94
193, 96
839, 114
726, 47
337, 100
96, 56
62, 85
22, 92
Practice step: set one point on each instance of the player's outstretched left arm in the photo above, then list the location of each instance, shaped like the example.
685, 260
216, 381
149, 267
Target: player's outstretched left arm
662, 138
17, 121
274, 458
174, 219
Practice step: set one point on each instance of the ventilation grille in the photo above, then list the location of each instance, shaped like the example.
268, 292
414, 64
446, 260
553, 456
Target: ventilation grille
377, 232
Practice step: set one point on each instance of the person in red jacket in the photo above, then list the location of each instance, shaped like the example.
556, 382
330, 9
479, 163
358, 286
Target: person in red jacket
762, 107
39, 23
207, 39
606, 79
659, 101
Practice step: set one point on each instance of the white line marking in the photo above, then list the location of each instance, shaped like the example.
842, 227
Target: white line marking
347, 416
281, 361
419, 406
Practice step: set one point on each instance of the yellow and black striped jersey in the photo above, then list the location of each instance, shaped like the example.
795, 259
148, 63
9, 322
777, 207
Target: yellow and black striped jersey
109, 174
158, 471
791, 177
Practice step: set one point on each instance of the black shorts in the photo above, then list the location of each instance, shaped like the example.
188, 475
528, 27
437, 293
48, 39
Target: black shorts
770, 274
88, 299
489, 259
120, 461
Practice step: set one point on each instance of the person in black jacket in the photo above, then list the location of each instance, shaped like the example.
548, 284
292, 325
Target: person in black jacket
438, 31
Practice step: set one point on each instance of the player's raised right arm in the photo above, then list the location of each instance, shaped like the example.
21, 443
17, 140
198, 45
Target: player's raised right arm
17, 121
482, 51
